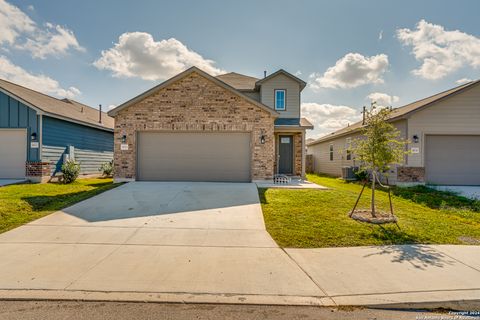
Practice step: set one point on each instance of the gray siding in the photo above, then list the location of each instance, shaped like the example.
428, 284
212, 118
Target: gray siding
457, 115
321, 154
92, 146
292, 91
14, 114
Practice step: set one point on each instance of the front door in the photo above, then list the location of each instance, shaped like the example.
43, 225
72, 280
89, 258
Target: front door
285, 152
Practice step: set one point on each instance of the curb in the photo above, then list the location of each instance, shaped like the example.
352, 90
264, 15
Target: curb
204, 298
372, 302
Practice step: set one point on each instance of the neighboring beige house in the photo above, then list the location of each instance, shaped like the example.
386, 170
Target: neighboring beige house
444, 131
196, 127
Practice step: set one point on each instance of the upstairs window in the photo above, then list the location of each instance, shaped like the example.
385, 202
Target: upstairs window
280, 99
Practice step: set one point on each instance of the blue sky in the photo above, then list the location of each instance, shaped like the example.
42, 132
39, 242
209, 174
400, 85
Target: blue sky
346, 50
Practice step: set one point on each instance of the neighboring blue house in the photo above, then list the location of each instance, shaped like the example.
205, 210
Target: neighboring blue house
38, 132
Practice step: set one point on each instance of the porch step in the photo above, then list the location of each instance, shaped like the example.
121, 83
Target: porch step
281, 179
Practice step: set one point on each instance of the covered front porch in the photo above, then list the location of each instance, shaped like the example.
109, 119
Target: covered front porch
290, 151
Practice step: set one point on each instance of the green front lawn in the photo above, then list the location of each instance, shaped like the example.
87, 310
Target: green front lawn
23, 203
319, 218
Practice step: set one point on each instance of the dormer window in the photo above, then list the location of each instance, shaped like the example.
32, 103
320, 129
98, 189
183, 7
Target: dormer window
280, 99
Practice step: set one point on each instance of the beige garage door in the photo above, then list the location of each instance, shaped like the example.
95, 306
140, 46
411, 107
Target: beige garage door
453, 160
13, 153
193, 156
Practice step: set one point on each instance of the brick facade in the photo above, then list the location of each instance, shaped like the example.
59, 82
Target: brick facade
197, 104
297, 153
37, 171
411, 174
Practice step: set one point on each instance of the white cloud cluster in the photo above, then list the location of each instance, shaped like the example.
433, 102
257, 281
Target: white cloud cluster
441, 52
13, 23
328, 118
351, 71
137, 54
382, 99
20, 32
38, 82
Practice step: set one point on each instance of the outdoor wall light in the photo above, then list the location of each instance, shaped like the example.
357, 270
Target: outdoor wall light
415, 138
33, 136
262, 138
124, 138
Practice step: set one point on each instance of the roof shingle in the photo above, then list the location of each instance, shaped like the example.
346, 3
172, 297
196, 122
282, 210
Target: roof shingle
238, 81
66, 108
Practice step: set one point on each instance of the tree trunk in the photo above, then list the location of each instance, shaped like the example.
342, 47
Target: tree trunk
373, 194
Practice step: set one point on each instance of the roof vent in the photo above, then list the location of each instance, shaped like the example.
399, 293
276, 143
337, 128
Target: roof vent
264, 73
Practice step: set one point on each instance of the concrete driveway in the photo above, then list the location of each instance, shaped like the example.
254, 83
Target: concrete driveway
204, 239
471, 192
6, 182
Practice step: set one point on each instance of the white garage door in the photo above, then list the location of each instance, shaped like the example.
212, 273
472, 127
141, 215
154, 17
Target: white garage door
197, 156
13, 153
452, 160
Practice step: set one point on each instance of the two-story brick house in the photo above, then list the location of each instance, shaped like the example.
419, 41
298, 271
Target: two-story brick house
196, 127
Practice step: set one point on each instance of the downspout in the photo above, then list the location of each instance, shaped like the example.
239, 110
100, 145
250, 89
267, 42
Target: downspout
40, 139
303, 154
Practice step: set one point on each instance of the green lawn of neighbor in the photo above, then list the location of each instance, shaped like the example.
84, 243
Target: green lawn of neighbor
319, 218
22, 203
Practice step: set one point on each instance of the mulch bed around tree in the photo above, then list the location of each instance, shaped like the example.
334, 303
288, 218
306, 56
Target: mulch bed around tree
380, 217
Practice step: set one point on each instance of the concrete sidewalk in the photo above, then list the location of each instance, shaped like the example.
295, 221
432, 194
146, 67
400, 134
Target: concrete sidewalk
207, 243
427, 276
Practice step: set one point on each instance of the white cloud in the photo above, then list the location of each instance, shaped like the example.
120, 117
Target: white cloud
298, 73
53, 40
382, 99
21, 32
463, 80
351, 71
112, 106
39, 82
13, 23
137, 54
31, 7
380, 35
441, 52
328, 118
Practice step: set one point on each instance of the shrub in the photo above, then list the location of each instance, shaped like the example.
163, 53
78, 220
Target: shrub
361, 175
106, 169
70, 170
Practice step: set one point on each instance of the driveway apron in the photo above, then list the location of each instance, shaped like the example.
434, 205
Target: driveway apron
160, 237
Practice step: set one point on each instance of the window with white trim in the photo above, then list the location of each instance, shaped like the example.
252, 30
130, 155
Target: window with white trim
280, 95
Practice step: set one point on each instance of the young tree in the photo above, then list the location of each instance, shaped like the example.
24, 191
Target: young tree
379, 147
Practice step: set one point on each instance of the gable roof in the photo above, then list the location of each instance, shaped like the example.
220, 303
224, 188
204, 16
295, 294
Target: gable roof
238, 81
404, 111
302, 83
66, 109
181, 75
